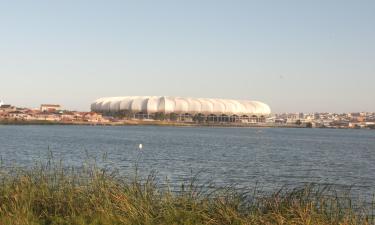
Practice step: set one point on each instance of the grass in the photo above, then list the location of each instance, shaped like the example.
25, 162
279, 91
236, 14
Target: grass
53, 194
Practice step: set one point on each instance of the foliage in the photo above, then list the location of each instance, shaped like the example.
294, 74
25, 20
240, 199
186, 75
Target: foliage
159, 116
173, 116
53, 194
199, 118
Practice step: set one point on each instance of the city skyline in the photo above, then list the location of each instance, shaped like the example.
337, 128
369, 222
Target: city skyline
298, 57
88, 109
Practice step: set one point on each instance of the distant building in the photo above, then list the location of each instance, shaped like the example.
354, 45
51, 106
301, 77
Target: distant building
68, 116
293, 117
183, 109
47, 116
1, 103
7, 108
93, 117
18, 115
49, 108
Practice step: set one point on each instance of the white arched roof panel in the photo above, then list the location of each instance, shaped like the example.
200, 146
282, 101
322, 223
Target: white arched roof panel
153, 105
218, 106
105, 105
126, 103
170, 105
230, 108
115, 104
139, 104
194, 105
206, 106
181, 106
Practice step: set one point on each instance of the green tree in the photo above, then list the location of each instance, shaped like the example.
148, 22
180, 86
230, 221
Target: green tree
173, 116
159, 116
125, 114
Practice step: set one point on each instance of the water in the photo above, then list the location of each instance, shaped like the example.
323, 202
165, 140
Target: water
273, 158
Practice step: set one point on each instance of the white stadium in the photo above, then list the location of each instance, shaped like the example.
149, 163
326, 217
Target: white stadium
183, 109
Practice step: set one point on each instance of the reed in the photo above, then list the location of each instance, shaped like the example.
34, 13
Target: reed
53, 194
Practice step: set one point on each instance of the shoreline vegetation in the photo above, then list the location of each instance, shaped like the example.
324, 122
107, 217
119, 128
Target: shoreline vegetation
51, 193
139, 123
153, 123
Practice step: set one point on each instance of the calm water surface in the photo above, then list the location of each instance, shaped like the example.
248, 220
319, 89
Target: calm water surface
270, 157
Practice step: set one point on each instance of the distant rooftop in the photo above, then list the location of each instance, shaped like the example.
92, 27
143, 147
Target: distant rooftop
5, 106
50, 105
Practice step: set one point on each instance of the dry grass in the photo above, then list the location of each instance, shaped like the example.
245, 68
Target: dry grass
50, 194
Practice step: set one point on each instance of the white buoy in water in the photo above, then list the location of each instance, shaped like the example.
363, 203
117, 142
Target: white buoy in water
140, 146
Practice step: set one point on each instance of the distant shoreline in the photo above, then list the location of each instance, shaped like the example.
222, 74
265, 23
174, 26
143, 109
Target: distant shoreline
150, 123
141, 123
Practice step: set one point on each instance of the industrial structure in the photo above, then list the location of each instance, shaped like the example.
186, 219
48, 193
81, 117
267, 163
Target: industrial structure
183, 109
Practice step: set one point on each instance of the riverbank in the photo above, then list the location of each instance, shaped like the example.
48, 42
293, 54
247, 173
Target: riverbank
148, 122
53, 194
163, 123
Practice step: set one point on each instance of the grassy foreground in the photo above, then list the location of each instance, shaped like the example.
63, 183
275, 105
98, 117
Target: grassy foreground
52, 195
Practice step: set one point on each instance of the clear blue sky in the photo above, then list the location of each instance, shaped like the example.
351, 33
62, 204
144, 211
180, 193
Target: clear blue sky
294, 55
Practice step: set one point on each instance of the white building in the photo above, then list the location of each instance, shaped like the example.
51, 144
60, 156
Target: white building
211, 109
49, 107
1, 103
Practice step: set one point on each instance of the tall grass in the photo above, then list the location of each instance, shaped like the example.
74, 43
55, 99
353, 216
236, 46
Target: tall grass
53, 194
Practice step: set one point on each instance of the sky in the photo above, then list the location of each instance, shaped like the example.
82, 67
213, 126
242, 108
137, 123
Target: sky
296, 56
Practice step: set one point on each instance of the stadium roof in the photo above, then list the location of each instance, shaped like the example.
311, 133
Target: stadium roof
180, 105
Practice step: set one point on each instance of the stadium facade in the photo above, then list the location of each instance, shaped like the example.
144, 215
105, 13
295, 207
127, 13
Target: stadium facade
183, 109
